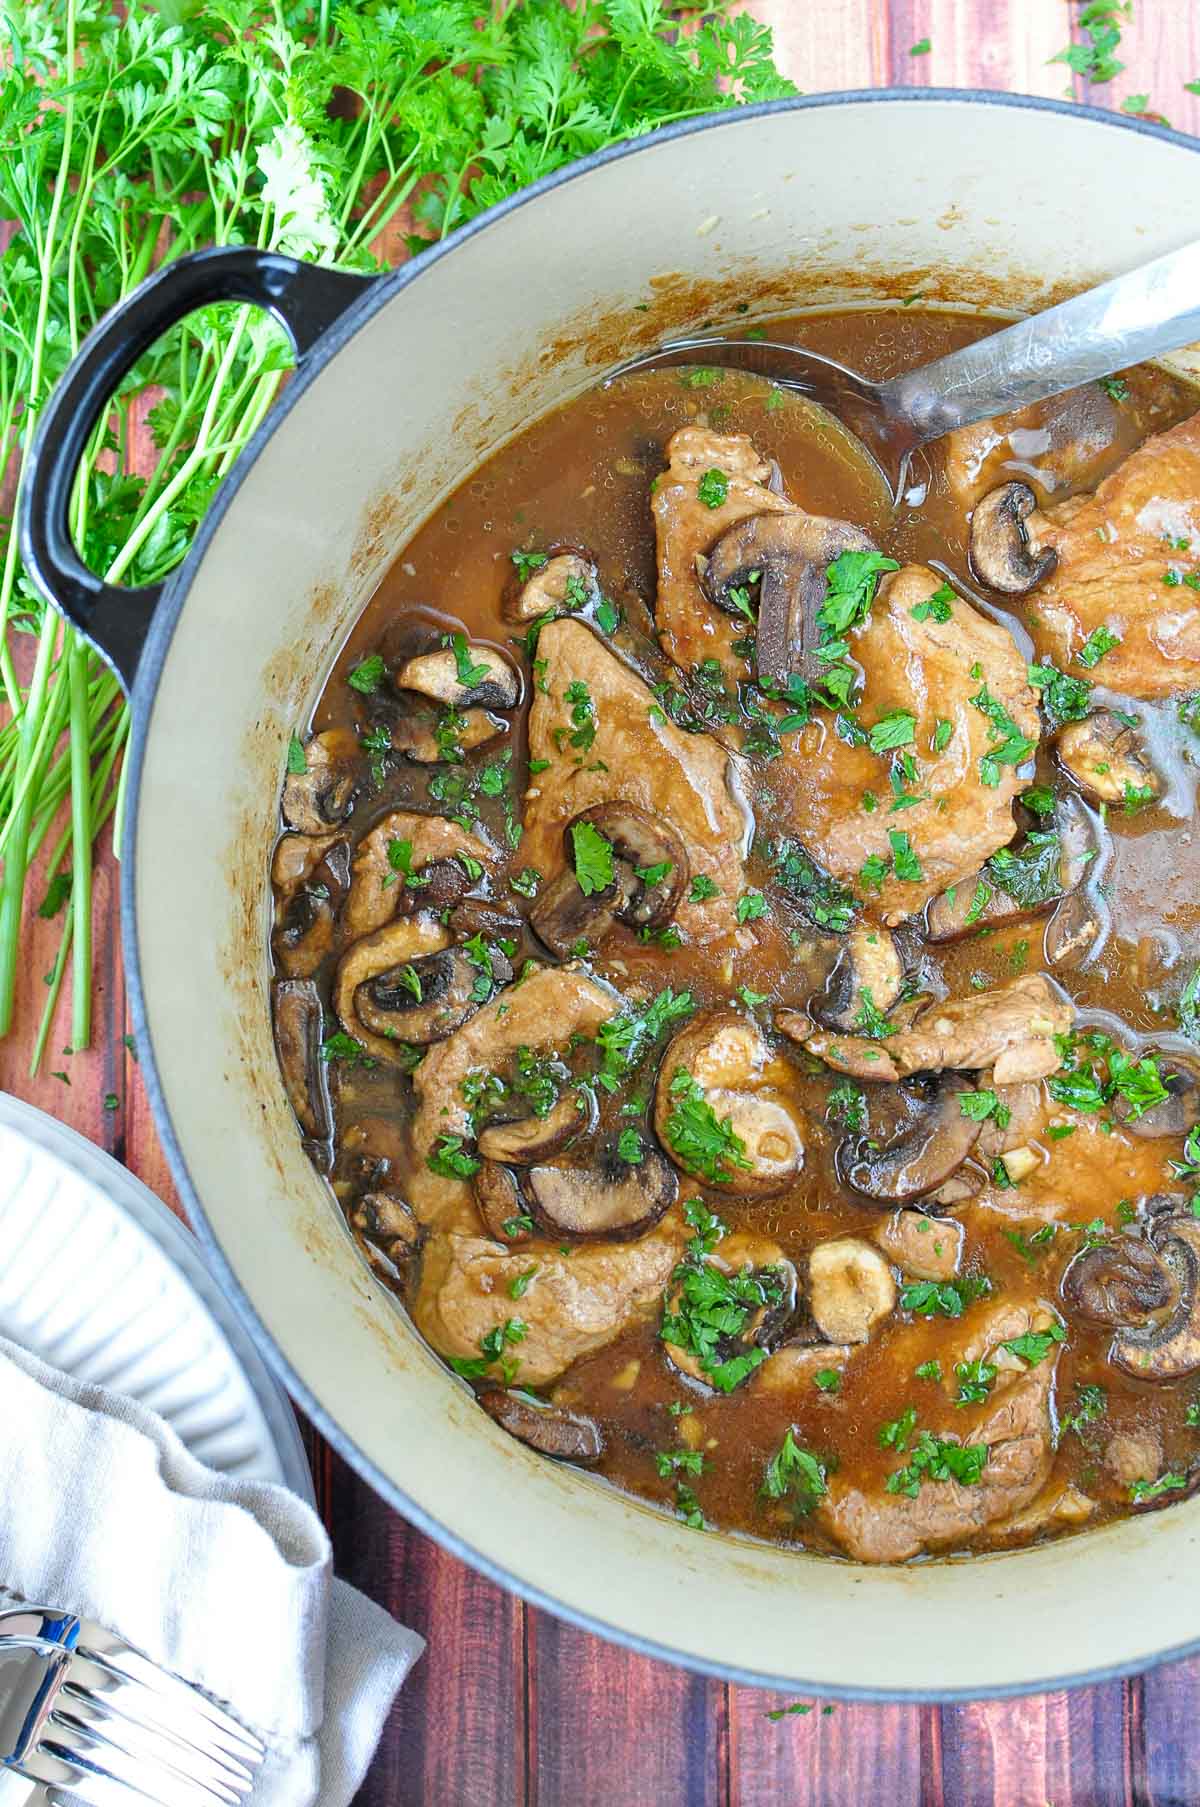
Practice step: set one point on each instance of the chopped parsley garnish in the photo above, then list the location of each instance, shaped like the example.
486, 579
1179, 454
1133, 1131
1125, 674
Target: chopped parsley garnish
518, 1286
979, 1106
705, 1144
528, 562
942, 1298
1137, 796
750, 906
937, 1459
931, 1370
711, 1310
703, 888
341, 1046
1036, 1345
827, 1380
630, 1147
939, 605
367, 677
673, 1461
297, 761
1012, 746
873, 871
794, 1471
400, 858
583, 717
451, 1159
1098, 642
822, 899
848, 1104
907, 865
871, 1021
1082, 1085
1092, 1404
895, 729
974, 1381
624, 1040
896, 1433
1113, 386
593, 859
1150, 1490
942, 732
850, 583
410, 979
1040, 799
713, 488
1063, 699
468, 672
1032, 874
525, 882
608, 616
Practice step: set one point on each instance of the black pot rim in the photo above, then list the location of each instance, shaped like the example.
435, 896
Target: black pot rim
153, 659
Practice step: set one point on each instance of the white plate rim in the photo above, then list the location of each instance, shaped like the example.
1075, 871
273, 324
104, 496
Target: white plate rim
135, 1200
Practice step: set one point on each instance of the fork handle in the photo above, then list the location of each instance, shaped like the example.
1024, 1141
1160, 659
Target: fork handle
1143, 314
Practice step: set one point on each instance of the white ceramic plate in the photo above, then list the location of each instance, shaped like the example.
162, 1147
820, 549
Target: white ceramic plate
99, 1279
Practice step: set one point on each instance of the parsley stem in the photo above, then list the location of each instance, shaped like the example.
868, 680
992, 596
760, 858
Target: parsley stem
81, 850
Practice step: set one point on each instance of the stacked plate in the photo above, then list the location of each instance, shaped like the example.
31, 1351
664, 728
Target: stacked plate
99, 1279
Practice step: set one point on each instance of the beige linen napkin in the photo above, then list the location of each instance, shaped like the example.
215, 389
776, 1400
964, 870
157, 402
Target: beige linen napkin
226, 1583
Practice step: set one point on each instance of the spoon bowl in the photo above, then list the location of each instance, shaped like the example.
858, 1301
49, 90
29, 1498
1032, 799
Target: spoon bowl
1143, 314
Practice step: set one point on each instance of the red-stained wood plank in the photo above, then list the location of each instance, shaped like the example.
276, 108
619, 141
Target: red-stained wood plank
1069, 1749
831, 1756
612, 1729
1167, 1701
457, 1733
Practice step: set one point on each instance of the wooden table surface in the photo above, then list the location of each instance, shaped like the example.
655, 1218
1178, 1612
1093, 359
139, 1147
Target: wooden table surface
509, 1708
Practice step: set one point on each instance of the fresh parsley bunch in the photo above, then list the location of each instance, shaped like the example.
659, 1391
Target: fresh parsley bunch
343, 134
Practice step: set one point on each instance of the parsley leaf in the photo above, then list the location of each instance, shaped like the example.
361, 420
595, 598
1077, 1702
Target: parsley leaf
713, 488
593, 859
367, 677
796, 1471
705, 1144
1098, 642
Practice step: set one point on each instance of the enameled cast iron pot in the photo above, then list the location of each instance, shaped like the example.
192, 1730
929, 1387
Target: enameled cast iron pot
404, 385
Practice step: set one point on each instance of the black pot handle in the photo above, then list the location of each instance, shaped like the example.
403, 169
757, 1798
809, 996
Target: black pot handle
304, 298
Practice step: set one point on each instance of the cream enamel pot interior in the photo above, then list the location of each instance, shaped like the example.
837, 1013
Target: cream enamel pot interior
977, 199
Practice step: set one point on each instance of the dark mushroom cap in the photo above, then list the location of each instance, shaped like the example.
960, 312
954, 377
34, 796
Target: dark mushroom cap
1105, 757
1000, 553
499, 1200
1175, 1115
868, 963
298, 1019
611, 1202
932, 1139
304, 938
562, 916
642, 842
789, 554
435, 675
566, 581
526, 1140
1125, 1283
323, 795
550, 1429
1170, 1347
427, 999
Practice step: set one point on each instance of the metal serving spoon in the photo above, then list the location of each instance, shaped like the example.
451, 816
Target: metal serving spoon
1150, 311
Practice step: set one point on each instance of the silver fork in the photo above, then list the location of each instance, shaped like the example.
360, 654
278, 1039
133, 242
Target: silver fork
106, 1728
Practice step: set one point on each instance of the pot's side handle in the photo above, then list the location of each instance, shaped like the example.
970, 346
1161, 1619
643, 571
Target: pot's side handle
304, 298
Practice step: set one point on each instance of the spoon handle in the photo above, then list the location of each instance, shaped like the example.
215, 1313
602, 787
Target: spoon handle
1151, 310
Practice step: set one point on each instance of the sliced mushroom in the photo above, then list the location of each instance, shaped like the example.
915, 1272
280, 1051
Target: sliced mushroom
322, 796
406, 939
1105, 757
298, 1020
763, 1325
436, 675
563, 916
932, 1140
929, 1248
612, 1202
304, 938
789, 555
566, 581
500, 1204
1125, 1283
1174, 1115
964, 909
1166, 1349
435, 878
726, 1056
850, 1289
417, 739
550, 1429
386, 1225
1001, 551
531, 1139
869, 966
427, 999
